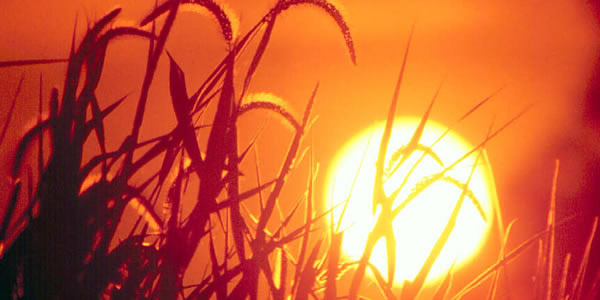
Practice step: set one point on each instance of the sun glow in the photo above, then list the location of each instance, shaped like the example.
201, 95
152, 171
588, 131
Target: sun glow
419, 224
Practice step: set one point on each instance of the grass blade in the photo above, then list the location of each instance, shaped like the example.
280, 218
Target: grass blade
260, 50
150, 70
231, 180
98, 123
75, 66
493, 287
29, 62
411, 289
444, 289
467, 154
578, 283
144, 209
378, 194
506, 260
413, 143
285, 168
271, 103
12, 203
330, 9
308, 276
41, 139
334, 255
563, 277
379, 197
216, 152
384, 287
228, 22
182, 107
102, 115
157, 12
11, 110
224, 17
551, 232
308, 217
24, 144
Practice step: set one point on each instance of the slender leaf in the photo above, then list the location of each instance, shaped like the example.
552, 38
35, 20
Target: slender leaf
10, 111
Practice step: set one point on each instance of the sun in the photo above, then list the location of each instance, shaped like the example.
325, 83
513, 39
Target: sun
420, 223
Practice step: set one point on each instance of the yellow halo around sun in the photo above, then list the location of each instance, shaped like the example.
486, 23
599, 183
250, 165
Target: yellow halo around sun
420, 223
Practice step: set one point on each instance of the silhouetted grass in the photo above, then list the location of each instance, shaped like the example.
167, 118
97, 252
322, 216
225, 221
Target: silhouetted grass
62, 244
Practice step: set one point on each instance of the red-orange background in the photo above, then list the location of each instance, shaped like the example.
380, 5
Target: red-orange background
545, 52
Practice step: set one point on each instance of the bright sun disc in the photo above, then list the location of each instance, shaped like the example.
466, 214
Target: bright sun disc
420, 223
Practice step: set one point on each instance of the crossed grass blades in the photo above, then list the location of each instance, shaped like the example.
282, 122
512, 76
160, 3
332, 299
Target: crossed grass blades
64, 246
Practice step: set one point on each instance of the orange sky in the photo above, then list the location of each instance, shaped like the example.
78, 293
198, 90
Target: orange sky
543, 51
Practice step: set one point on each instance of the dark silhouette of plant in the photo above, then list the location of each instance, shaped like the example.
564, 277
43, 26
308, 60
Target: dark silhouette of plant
63, 245
64, 249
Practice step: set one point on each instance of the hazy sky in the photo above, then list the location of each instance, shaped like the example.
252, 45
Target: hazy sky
541, 52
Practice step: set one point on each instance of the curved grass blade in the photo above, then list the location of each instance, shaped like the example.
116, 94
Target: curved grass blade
223, 16
427, 151
199, 97
95, 59
273, 107
426, 183
75, 65
330, 9
450, 128
412, 289
227, 20
467, 154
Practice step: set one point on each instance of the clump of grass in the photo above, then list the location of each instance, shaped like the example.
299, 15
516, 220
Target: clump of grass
64, 244
64, 250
